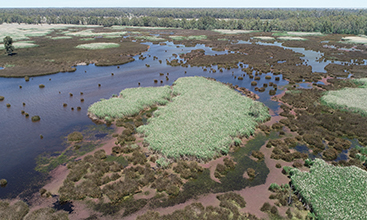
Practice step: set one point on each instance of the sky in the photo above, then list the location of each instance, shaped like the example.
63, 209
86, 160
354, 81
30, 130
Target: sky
187, 3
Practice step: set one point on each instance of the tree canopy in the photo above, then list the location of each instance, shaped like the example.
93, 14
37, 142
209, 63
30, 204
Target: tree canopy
8, 45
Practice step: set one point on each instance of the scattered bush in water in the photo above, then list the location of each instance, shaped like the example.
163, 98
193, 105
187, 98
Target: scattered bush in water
26, 78
2, 98
257, 154
251, 172
36, 118
3, 182
75, 136
8, 105
41, 86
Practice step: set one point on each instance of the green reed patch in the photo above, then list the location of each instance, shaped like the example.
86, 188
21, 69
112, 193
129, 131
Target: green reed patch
348, 99
333, 192
97, 46
202, 119
130, 102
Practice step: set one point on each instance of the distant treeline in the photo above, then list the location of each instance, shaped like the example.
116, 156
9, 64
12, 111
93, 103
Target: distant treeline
341, 21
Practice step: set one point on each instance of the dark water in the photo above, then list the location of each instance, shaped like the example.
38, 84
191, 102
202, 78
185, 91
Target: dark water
20, 141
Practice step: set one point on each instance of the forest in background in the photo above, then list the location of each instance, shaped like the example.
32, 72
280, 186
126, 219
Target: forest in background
337, 21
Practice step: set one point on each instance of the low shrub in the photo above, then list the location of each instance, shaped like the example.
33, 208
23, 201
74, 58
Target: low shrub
265, 207
274, 187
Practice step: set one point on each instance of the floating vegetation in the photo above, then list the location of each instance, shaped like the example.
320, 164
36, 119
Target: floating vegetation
97, 46
332, 192
201, 119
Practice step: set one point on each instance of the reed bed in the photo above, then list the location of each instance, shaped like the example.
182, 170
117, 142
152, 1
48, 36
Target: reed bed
130, 102
201, 120
348, 99
333, 192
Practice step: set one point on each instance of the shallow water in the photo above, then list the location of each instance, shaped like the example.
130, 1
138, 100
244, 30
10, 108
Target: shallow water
311, 57
20, 141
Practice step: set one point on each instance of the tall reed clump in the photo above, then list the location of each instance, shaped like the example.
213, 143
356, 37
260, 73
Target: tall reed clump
333, 192
201, 120
130, 102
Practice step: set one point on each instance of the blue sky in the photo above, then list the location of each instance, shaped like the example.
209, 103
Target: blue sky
188, 3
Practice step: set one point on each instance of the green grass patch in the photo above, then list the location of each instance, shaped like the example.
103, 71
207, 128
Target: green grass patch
97, 46
193, 37
348, 99
362, 39
87, 39
121, 160
90, 33
21, 44
202, 119
150, 38
222, 39
60, 37
296, 33
333, 192
131, 101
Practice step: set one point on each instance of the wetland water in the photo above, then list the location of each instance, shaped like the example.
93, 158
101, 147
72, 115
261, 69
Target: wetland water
20, 141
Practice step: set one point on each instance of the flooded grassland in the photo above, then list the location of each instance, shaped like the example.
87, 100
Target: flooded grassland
131, 163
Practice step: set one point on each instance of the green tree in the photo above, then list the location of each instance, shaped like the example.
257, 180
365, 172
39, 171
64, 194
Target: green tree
8, 44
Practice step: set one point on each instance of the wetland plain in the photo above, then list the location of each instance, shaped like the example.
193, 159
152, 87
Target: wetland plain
151, 123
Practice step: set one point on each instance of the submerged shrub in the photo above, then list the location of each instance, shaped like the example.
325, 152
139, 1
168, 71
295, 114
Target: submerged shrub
3, 182
36, 118
75, 136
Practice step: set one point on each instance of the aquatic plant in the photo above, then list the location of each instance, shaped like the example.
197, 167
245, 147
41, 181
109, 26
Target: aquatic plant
41, 86
2, 98
131, 101
201, 119
333, 192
